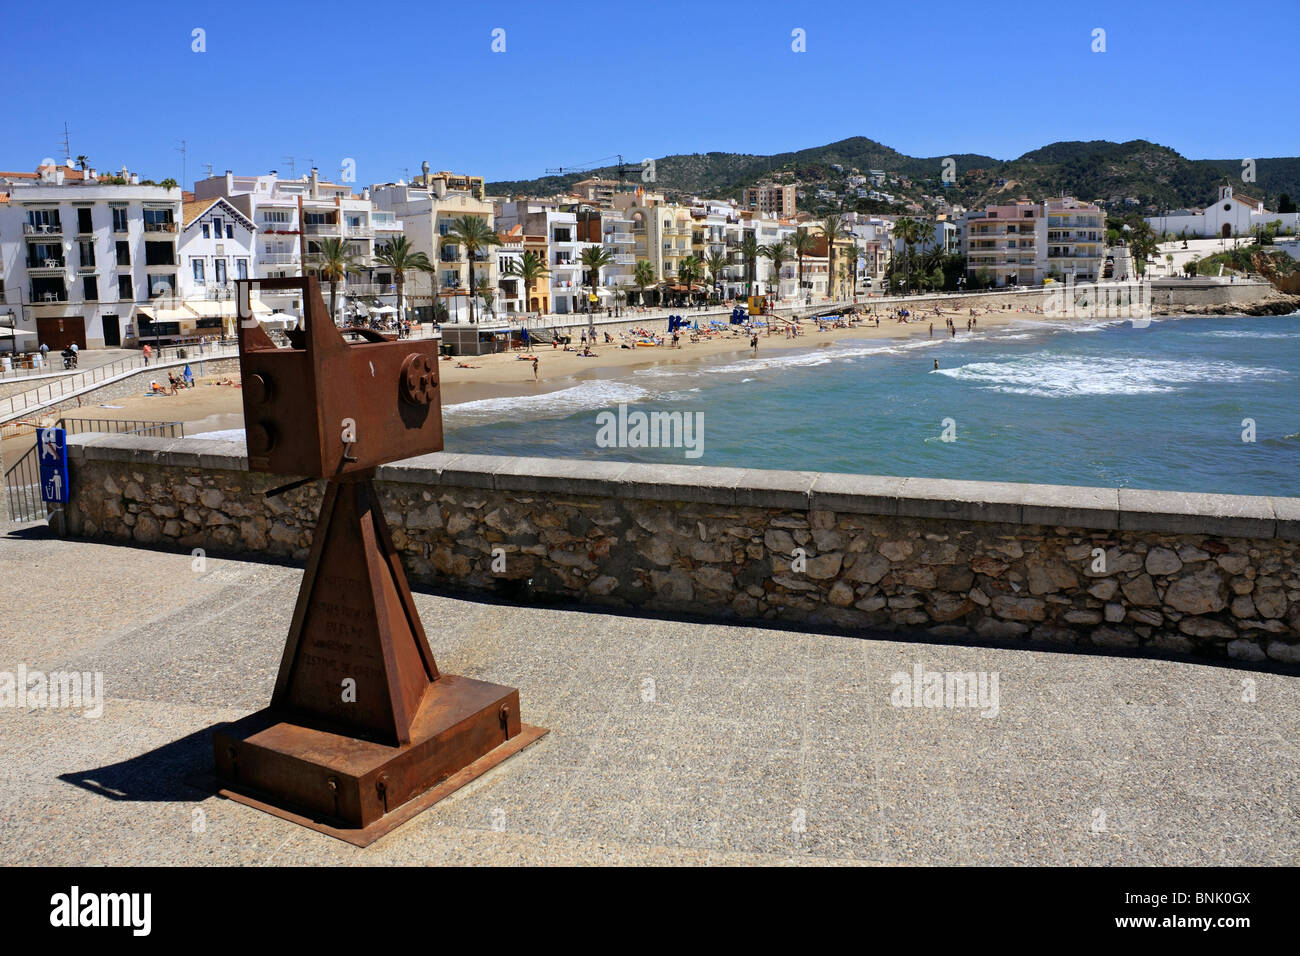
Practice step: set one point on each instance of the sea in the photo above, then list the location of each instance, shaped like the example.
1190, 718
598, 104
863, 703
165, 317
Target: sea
1204, 404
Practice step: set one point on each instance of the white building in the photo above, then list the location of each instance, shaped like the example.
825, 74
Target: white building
558, 222
1232, 214
79, 259
216, 250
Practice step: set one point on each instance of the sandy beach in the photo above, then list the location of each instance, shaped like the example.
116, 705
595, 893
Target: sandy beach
210, 407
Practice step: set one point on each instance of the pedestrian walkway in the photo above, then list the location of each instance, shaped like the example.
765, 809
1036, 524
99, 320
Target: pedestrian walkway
670, 742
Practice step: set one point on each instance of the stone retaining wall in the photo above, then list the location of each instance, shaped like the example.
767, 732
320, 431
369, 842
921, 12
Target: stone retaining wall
1211, 575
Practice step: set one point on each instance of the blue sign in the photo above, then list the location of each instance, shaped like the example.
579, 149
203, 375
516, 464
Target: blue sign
52, 457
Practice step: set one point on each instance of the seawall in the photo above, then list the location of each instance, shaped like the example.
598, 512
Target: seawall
1210, 575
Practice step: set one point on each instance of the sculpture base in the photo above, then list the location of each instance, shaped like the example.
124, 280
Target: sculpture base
356, 789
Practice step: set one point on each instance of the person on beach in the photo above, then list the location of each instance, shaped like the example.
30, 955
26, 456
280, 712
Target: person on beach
146, 351
931, 330
753, 343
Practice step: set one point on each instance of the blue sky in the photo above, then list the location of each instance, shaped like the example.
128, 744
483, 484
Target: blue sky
389, 86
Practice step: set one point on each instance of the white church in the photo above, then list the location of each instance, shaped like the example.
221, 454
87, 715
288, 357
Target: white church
1232, 215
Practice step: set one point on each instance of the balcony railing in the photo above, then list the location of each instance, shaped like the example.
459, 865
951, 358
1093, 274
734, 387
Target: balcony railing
47, 295
159, 226
49, 262
43, 229
619, 238
278, 259
624, 259
321, 229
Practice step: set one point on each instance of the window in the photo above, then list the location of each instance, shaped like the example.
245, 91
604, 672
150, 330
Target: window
123, 253
280, 216
124, 290
90, 289
219, 271
119, 219
87, 251
216, 226
83, 221
241, 268
204, 227
161, 285
44, 220
197, 266
159, 220
230, 231
159, 254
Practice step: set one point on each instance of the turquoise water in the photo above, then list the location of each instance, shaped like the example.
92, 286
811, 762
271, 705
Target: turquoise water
1104, 404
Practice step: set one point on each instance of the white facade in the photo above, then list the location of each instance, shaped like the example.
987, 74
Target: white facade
216, 250
79, 259
1230, 215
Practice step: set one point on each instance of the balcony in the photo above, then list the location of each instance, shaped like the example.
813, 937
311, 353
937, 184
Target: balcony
54, 228
39, 296
159, 226
278, 259
624, 259
47, 264
321, 229
360, 232
619, 239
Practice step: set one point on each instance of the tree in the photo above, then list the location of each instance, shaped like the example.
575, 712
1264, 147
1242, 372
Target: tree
689, 270
400, 256
594, 258
802, 243
1285, 203
529, 268
909, 232
168, 183
832, 228
1142, 242
644, 276
715, 263
777, 252
749, 251
477, 237
1190, 267
334, 260
82, 162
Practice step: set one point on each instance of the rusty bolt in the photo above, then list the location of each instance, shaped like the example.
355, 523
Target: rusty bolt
418, 381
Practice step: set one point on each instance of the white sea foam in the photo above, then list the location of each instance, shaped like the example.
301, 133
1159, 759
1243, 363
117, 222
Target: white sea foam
1247, 334
1061, 377
601, 393
223, 434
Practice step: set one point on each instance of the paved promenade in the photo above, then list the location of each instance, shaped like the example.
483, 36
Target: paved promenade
670, 742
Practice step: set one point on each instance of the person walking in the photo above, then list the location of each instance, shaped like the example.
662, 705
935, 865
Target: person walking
536, 362
147, 351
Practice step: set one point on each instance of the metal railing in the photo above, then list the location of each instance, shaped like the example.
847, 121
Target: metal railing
23, 481
67, 384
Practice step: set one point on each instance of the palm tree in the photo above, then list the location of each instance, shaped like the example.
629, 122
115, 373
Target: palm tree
749, 251
690, 269
909, 231
400, 256
82, 162
777, 252
832, 227
854, 252
530, 268
477, 237
715, 263
644, 276
802, 243
334, 260
593, 258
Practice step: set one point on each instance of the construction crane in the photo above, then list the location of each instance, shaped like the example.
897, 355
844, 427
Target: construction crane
596, 164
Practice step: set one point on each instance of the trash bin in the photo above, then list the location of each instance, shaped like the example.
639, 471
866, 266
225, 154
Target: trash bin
182, 353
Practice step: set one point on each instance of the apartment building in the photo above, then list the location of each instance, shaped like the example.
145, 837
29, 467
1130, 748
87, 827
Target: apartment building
1076, 239
771, 199
445, 182
80, 258
292, 217
510, 288
596, 189
426, 215
557, 220
1005, 242
610, 228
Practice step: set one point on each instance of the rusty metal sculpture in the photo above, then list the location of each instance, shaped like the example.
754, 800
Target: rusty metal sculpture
362, 732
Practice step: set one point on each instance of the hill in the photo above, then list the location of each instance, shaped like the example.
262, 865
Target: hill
1155, 175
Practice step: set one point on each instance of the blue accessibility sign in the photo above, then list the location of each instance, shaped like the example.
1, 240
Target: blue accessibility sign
52, 456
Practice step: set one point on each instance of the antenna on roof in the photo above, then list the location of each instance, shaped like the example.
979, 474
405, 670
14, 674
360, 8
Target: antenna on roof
67, 148
184, 162
290, 160
207, 169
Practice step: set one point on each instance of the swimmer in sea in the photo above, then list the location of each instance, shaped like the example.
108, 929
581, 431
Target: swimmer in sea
936, 364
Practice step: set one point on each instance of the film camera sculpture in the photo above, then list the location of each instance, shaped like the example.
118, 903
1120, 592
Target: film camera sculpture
362, 732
